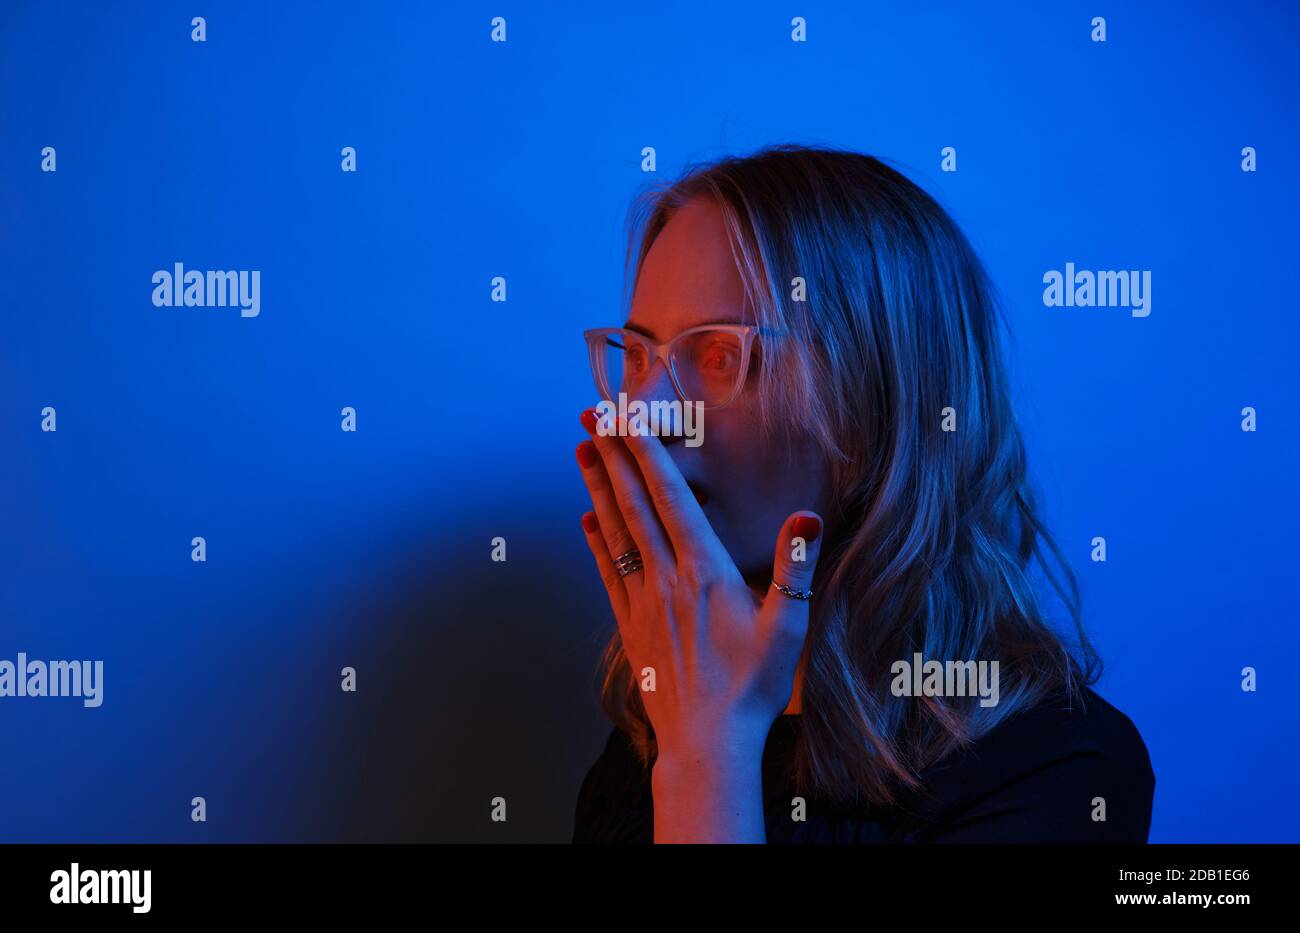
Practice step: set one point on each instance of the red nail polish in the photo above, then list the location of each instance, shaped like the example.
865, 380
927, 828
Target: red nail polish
807, 527
587, 455
589, 523
588, 419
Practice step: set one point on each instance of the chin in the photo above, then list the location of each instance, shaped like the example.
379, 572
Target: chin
755, 568
750, 561
739, 558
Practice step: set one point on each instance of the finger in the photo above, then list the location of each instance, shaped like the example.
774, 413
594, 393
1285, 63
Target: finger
797, 547
628, 490
613, 530
605, 564
683, 520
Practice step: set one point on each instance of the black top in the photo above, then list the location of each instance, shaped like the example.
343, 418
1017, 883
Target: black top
1033, 778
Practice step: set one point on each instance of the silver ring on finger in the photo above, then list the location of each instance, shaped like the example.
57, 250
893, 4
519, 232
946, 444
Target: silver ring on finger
793, 594
628, 563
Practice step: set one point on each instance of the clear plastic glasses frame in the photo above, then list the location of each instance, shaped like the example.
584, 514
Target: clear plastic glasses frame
599, 340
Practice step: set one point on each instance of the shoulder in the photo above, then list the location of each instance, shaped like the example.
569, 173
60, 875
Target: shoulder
1059, 727
1060, 771
614, 800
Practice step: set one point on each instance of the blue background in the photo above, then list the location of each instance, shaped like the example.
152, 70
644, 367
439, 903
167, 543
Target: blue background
476, 159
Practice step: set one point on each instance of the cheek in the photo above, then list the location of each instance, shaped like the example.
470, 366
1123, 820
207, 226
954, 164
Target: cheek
741, 464
754, 492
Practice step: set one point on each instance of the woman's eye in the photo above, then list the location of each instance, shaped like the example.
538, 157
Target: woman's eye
634, 359
718, 359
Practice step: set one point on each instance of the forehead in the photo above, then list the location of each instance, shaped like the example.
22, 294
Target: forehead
689, 276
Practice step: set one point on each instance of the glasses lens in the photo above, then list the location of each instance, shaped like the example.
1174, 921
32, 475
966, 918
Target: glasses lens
624, 361
709, 366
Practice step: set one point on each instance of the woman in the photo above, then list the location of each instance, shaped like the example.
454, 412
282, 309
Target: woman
858, 507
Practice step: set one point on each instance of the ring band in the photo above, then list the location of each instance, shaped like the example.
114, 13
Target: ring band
793, 594
628, 563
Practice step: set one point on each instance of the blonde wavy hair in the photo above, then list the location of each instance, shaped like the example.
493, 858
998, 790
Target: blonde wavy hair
934, 535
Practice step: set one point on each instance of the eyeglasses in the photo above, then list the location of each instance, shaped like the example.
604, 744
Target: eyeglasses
707, 364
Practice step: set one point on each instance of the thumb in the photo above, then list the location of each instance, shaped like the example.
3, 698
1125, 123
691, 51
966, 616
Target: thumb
797, 547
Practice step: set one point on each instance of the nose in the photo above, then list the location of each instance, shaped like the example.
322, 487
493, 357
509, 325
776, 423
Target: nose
657, 386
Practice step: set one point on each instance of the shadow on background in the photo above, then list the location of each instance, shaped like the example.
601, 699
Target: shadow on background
476, 679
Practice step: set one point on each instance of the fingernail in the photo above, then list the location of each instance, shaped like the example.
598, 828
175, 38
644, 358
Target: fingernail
807, 527
587, 455
588, 419
589, 523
